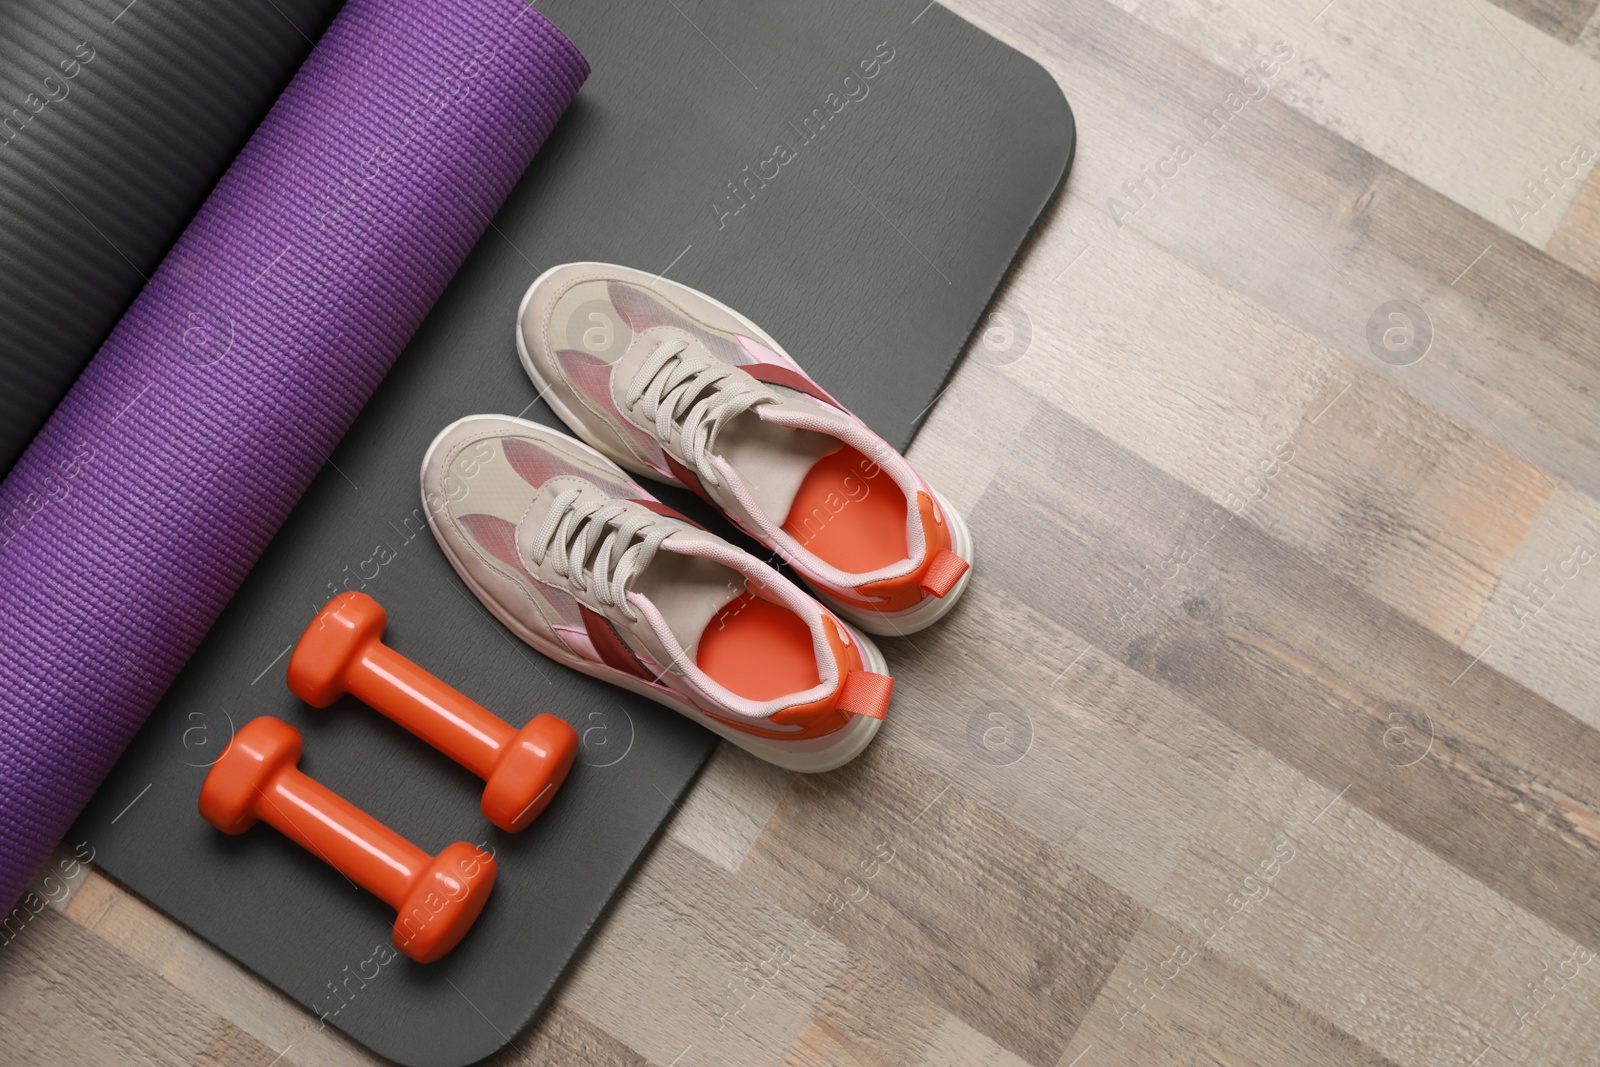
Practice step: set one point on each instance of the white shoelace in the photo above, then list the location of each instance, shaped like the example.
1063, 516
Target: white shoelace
688, 390
599, 545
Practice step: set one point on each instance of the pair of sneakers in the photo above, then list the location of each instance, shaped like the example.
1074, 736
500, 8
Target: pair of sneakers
587, 567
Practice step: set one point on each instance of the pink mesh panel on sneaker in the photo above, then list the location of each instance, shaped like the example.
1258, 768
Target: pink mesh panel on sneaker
592, 378
538, 465
499, 538
641, 312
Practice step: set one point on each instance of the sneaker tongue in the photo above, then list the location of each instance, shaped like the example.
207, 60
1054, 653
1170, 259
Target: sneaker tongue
771, 459
626, 373
539, 510
687, 589
543, 500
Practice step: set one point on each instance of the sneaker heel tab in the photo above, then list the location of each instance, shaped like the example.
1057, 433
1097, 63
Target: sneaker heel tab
942, 573
865, 693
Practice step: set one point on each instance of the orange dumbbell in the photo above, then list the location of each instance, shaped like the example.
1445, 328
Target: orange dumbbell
342, 651
437, 897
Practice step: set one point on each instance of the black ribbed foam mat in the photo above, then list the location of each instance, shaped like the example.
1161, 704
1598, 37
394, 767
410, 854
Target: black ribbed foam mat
118, 118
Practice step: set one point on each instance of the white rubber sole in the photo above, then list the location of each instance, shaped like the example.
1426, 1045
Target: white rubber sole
808, 756
879, 623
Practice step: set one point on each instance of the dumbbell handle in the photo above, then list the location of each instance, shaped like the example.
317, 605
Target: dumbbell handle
341, 835
448, 720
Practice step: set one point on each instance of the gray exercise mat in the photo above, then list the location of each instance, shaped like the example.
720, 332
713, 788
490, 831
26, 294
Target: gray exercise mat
856, 175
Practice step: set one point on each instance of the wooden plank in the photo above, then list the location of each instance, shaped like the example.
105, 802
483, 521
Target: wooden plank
1310, 669
562, 1036
978, 916
1541, 626
1576, 241
731, 801
1173, 1000
691, 958
955, 1044
1589, 39
1112, 771
1412, 508
70, 997
1372, 873
232, 1047
978, 416
1562, 19
867, 1019
1542, 300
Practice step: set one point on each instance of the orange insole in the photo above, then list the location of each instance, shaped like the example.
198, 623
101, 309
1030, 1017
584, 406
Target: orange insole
758, 649
853, 521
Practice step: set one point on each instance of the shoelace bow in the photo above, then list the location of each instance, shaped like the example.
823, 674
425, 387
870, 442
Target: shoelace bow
689, 391
599, 545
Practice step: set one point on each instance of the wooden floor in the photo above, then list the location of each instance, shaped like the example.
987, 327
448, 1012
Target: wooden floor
1269, 732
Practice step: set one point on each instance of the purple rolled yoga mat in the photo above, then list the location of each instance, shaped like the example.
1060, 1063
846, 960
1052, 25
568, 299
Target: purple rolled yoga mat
152, 490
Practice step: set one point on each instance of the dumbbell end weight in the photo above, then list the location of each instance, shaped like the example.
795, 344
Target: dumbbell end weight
444, 902
253, 759
529, 772
347, 626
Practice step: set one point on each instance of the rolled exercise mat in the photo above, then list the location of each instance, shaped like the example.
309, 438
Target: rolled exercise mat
116, 119
138, 510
